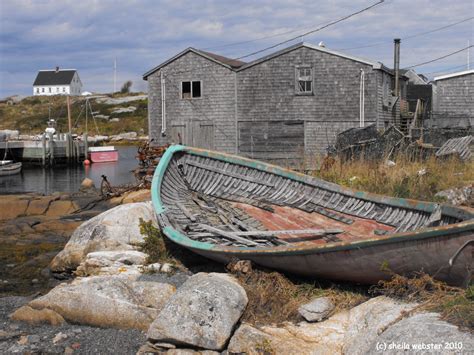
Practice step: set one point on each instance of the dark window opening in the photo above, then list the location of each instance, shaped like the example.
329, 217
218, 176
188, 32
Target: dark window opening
304, 78
196, 89
186, 90
190, 89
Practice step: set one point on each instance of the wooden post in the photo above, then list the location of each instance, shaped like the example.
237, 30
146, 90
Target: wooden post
69, 114
51, 148
68, 147
43, 152
86, 146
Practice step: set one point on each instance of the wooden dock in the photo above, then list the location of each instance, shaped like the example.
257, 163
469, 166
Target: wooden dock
46, 150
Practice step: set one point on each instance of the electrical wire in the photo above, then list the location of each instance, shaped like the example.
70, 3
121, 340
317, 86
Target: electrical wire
447, 69
439, 58
260, 38
385, 42
313, 31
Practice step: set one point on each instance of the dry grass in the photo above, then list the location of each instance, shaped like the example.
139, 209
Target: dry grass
274, 299
407, 179
456, 305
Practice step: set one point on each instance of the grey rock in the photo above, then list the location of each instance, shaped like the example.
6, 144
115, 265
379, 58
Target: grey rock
107, 301
115, 229
458, 196
33, 338
128, 109
347, 332
316, 310
423, 330
120, 100
59, 337
202, 313
16, 349
126, 136
104, 117
115, 119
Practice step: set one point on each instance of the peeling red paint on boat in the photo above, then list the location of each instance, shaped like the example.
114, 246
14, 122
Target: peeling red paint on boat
287, 218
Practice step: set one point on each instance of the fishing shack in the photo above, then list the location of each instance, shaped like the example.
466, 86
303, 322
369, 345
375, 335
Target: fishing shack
280, 108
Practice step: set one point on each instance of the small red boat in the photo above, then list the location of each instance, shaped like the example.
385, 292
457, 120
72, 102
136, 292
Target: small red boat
103, 154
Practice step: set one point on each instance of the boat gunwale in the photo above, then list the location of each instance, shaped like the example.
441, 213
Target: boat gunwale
420, 234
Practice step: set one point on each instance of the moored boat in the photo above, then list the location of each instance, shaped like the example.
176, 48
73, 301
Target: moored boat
103, 154
226, 207
8, 167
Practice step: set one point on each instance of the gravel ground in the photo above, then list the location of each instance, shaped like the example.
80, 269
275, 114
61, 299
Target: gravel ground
80, 339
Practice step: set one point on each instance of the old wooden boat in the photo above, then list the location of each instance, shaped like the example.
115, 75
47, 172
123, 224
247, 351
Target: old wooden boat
226, 207
8, 167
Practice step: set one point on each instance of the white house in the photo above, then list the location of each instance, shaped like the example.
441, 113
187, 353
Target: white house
57, 82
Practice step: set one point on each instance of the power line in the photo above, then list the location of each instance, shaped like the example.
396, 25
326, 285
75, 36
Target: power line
313, 31
447, 69
436, 59
439, 29
260, 38
269, 36
375, 44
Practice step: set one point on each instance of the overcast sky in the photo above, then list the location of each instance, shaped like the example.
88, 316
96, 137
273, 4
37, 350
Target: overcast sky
87, 35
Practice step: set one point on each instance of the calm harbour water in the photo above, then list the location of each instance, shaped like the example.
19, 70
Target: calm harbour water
69, 178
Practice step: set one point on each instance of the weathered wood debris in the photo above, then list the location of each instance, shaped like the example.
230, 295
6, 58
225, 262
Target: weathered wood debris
148, 157
461, 147
368, 143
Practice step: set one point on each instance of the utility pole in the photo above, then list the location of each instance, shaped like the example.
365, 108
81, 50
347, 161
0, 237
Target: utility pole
115, 74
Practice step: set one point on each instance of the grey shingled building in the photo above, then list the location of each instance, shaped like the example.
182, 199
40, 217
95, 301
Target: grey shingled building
453, 104
278, 108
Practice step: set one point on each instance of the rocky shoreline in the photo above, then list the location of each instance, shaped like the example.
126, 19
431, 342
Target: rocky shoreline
35, 227
120, 303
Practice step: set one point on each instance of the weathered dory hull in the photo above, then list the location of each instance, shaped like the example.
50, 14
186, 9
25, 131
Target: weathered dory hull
363, 265
427, 249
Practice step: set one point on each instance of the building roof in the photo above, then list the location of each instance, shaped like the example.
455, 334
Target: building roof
453, 75
224, 61
54, 77
413, 76
237, 65
376, 65
234, 63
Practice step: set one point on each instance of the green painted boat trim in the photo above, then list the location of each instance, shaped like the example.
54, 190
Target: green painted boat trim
421, 234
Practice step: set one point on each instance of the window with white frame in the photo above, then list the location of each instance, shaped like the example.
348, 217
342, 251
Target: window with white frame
304, 80
190, 89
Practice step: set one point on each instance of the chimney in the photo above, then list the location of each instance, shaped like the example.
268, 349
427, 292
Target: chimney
57, 69
396, 66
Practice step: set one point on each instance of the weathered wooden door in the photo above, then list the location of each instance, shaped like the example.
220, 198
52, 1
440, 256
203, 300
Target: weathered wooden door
196, 134
179, 134
203, 134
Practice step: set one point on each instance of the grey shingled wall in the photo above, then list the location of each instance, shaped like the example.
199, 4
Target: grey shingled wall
207, 122
266, 92
290, 126
454, 100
